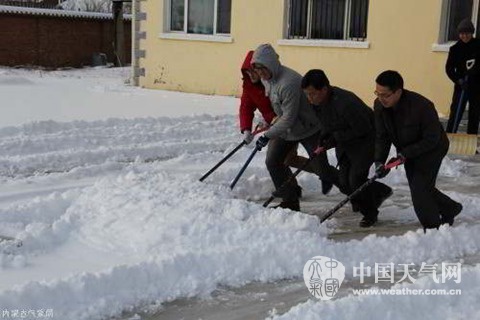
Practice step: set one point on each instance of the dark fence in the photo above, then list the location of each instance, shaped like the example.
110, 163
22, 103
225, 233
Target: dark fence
51, 41
30, 4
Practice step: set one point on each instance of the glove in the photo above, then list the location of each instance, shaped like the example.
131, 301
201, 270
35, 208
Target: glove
328, 141
400, 157
261, 124
380, 170
247, 136
262, 142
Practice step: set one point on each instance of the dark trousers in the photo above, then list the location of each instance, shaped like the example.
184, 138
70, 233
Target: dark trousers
472, 95
277, 152
355, 162
429, 203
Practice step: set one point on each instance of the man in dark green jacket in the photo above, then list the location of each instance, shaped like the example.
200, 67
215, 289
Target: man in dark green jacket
410, 122
348, 123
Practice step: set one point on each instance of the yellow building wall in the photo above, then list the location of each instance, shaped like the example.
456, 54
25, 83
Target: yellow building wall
400, 33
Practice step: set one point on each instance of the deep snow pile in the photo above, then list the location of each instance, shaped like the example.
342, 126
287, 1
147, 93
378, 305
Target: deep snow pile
110, 214
398, 306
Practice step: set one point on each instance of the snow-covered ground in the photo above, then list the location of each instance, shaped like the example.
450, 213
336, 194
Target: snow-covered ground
101, 210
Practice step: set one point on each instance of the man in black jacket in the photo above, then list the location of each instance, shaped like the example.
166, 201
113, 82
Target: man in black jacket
465, 51
410, 122
348, 123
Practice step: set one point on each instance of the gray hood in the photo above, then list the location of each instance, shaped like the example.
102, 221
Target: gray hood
266, 55
296, 119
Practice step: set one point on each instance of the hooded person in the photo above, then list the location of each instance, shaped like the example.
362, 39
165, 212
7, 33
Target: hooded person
463, 69
296, 123
253, 98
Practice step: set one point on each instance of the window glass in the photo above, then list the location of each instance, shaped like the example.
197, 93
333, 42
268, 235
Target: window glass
358, 19
328, 19
458, 10
478, 23
200, 16
177, 15
224, 8
298, 19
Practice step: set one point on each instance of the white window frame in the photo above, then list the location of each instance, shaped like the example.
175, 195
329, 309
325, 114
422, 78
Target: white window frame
184, 35
443, 45
309, 42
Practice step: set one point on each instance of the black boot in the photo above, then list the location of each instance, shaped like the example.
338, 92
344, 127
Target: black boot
299, 191
355, 207
283, 192
293, 205
367, 222
326, 186
457, 208
431, 228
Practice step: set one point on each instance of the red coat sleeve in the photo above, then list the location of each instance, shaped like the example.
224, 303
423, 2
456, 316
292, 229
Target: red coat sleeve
253, 98
247, 109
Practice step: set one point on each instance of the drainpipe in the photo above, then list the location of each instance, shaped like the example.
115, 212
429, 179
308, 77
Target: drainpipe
119, 34
138, 16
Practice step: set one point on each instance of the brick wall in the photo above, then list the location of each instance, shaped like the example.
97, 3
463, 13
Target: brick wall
54, 42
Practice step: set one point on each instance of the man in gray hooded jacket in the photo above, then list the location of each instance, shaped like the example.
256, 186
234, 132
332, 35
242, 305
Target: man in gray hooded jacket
296, 122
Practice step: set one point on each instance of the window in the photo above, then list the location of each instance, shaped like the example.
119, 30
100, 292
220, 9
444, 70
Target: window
454, 12
328, 19
200, 16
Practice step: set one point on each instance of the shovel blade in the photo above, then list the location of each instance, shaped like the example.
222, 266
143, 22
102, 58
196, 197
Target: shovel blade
462, 144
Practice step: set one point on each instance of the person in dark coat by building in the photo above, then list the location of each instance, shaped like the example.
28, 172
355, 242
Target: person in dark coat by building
348, 123
410, 122
296, 123
466, 50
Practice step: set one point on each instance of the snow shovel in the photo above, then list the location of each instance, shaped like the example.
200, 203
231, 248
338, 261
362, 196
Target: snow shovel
231, 153
238, 147
240, 173
391, 164
461, 107
461, 143
316, 152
